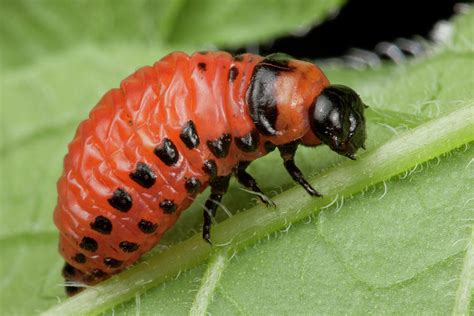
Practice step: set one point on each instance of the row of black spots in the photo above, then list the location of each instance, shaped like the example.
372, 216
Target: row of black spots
108, 261
122, 201
104, 226
91, 245
69, 273
233, 71
169, 155
146, 178
190, 138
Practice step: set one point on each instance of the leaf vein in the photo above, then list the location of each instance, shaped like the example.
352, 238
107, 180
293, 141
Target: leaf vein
466, 282
211, 277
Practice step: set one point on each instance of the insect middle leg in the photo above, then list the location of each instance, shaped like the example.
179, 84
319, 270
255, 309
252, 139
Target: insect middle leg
249, 182
287, 152
219, 186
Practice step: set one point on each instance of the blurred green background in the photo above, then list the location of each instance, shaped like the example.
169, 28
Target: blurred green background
398, 248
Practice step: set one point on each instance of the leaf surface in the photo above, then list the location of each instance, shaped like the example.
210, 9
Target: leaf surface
400, 246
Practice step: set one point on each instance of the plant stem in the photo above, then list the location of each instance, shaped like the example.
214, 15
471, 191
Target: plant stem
401, 153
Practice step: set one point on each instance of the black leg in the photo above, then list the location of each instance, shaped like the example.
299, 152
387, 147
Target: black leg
219, 187
287, 152
209, 212
249, 182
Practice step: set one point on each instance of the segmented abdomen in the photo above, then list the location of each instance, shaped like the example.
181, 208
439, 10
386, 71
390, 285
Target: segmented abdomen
146, 150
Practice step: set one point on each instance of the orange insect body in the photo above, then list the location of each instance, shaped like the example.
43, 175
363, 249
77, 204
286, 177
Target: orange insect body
151, 145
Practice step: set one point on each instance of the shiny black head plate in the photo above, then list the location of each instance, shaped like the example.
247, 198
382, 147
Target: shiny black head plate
337, 119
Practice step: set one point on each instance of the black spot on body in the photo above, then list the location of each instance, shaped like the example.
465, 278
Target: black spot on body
89, 244
239, 58
94, 276
97, 273
220, 147
102, 225
278, 60
248, 142
261, 97
233, 73
121, 200
269, 146
189, 135
112, 263
168, 206
210, 167
192, 185
147, 227
202, 66
167, 152
68, 271
79, 258
143, 175
128, 246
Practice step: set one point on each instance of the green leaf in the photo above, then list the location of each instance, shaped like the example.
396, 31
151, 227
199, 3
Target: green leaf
31, 30
398, 238
197, 22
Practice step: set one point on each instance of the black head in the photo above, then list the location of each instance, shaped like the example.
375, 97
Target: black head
337, 119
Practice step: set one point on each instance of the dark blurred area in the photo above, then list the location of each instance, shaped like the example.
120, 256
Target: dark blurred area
364, 24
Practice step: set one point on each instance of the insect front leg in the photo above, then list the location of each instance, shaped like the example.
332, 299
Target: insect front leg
219, 186
249, 182
287, 152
